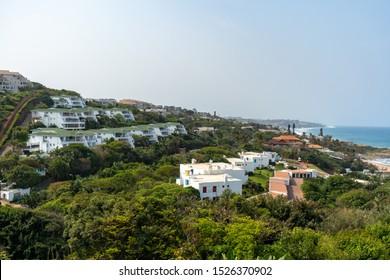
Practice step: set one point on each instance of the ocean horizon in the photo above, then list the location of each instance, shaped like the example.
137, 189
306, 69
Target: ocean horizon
378, 137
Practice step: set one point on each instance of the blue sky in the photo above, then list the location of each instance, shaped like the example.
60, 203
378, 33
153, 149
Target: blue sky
322, 61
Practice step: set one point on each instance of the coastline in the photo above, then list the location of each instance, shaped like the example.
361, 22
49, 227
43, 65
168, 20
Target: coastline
381, 167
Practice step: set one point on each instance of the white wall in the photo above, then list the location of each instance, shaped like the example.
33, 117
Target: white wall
12, 194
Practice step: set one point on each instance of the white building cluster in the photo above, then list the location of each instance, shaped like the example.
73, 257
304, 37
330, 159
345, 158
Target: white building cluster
65, 101
213, 178
75, 118
250, 161
66, 125
12, 81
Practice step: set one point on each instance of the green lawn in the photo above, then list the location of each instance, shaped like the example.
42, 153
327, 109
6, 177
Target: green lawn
261, 176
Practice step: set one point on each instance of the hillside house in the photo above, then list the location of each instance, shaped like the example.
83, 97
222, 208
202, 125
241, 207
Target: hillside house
285, 141
212, 186
68, 101
10, 194
12, 81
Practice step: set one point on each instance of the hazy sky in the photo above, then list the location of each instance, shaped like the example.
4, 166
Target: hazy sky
324, 61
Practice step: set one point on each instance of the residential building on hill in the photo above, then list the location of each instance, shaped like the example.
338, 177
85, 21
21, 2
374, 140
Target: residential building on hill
10, 194
212, 178
135, 103
68, 101
288, 182
120, 133
289, 141
12, 81
212, 186
176, 128
103, 101
75, 118
161, 129
145, 131
48, 139
161, 112
250, 161
204, 129
248, 166
260, 160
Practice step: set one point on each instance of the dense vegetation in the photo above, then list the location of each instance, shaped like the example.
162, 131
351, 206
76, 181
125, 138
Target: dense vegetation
116, 202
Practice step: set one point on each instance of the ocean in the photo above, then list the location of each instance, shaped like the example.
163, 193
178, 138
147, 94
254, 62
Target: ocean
372, 136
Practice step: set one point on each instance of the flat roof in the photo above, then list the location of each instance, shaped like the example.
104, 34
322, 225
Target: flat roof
214, 166
213, 178
58, 132
6, 72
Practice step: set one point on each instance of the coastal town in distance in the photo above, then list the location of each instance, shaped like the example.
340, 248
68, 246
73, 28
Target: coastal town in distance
99, 178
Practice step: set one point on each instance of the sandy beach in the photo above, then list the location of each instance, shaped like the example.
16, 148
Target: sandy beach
381, 167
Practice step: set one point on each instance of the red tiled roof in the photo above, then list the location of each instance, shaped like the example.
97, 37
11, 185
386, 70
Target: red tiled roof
286, 138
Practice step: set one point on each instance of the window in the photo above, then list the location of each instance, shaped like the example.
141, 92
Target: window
214, 188
204, 189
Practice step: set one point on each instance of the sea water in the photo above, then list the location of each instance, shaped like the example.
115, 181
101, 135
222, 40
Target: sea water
372, 136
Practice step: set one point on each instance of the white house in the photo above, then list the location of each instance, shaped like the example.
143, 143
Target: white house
212, 186
12, 81
211, 179
68, 101
259, 160
13, 194
211, 168
244, 163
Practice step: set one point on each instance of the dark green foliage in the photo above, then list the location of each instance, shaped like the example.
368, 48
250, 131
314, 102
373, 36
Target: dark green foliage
24, 176
73, 160
31, 235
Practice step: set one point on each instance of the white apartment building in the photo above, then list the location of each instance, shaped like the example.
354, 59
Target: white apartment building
145, 131
49, 139
161, 129
74, 119
121, 134
12, 81
125, 113
68, 101
176, 128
